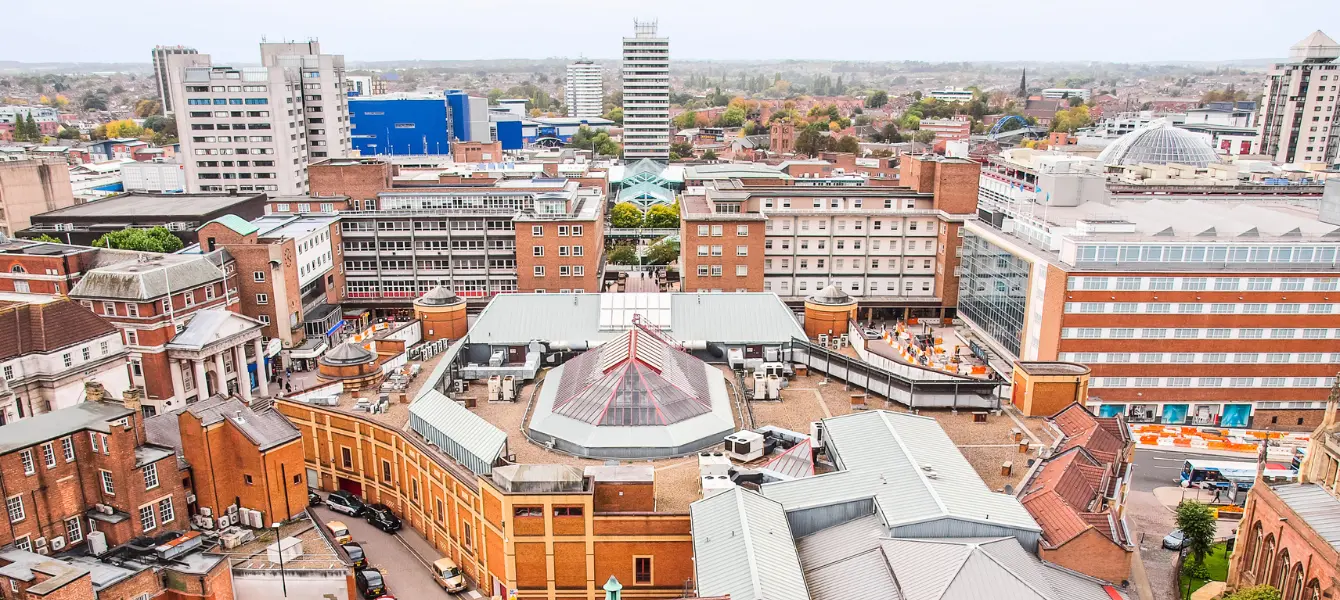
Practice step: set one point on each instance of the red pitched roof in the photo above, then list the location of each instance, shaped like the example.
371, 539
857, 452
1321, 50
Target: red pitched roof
1059, 521
47, 327
1073, 419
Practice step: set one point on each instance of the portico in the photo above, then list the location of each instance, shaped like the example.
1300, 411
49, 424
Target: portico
210, 357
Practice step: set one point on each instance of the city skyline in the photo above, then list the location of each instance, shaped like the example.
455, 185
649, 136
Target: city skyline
441, 33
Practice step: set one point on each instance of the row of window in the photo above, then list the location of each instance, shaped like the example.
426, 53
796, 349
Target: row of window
1197, 308
922, 227
562, 251
1242, 358
304, 207
911, 264
822, 244
563, 271
909, 286
1211, 382
430, 245
228, 139
1206, 254
906, 203
1219, 284
719, 230
226, 101
563, 230
68, 359
1191, 333
49, 455
230, 88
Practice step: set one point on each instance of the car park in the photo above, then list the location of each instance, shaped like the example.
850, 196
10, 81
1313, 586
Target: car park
381, 517
344, 502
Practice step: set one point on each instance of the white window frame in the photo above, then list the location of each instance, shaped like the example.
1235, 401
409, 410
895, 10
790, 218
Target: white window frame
150, 476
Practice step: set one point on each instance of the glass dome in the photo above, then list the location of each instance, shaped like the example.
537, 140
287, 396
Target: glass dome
1160, 143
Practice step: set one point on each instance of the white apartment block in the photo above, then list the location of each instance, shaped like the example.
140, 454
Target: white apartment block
860, 244
1300, 118
585, 91
256, 128
160, 56
646, 94
1067, 93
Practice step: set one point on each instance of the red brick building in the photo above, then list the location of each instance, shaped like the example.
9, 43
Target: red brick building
720, 251
45, 268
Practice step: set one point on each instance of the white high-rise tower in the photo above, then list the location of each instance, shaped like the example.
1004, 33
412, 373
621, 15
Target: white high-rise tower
585, 89
1300, 121
646, 94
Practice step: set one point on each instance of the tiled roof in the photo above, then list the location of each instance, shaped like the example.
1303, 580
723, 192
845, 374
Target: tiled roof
46, 327
1073, 419
1060, 522
267, 428
1065, 496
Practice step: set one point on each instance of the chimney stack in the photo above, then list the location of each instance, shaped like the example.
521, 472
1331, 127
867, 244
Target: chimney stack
133, 399
94, 392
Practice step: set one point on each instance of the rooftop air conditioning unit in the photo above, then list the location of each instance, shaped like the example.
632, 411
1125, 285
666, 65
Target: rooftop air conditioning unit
97, 542
714, 464
744, 445
58, 544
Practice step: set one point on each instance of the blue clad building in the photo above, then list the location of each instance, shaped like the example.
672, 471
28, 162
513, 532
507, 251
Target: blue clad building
399, 125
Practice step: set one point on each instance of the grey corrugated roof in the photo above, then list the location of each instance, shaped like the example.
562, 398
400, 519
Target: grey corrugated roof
730, 318
882, 455
59, 423
975, 568
459, 433
209, 326
742, 547
840, 541
1318, 508
266, 428
864, 575
149, 277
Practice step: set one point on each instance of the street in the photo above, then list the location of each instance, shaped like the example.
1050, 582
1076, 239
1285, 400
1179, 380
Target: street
398, 557
1150, 519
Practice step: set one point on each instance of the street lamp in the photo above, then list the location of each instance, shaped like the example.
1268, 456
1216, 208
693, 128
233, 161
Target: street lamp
279, 547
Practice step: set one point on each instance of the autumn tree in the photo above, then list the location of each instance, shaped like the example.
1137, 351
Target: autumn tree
686, 120
125, 128
625, 215
849, 145
1070, 119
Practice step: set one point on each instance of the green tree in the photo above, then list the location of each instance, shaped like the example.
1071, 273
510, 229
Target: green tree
923, 137
811, 142
625, 215
848, 144
681, 149
615, 114
154, 239
663, 252
662, 216
710, 155
888, 134
68, 133
93, 101
586, 137
686, 120
1074, 101
46, 238
1196, 521
732, 117
877, 99
1258, 592
622, 254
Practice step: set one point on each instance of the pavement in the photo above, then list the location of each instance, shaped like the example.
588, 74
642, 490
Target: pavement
1150, 505
404, 558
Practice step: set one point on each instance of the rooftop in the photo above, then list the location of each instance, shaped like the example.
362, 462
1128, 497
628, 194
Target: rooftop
1317, 507
212, 325
43, 327
150, 276
97, 416
168, 206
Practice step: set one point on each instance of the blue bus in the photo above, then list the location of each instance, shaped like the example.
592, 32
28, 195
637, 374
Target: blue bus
1231, 474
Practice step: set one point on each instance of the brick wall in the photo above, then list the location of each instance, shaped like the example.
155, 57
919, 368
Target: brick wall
1092, 554
554, 246
691, 238
358, 180
1282, 531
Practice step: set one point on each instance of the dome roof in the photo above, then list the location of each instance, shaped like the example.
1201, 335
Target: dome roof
1160, 143
347, 354
438, 296
831, 295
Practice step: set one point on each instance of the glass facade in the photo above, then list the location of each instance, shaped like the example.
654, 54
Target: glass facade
993, 291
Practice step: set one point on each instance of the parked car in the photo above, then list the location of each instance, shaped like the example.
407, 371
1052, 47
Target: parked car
339, 531
344, 502
381, 517
356, 554
1174, 540
314, 499
448, 575
370, 583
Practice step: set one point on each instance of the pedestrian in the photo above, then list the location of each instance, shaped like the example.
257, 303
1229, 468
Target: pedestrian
288, 387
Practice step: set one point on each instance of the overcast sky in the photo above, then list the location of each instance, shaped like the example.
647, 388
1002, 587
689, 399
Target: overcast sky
959, 30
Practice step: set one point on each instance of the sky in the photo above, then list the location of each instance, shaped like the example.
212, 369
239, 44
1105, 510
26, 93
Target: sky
961, 30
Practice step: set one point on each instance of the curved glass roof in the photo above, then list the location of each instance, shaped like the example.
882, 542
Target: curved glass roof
1160, 143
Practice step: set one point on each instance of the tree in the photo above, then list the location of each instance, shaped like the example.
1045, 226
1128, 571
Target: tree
93, 101
710, 155
681, 149
586, 137
615, 114
1070, 119
68, 133
1196, 521
1074, 101
124, 128
46, 238
923, 137
663, 252
888, 134
622, 254
625, 215
732, 117
154, 239
146, 107
662, 216
877, 99
1258, 592
686, 120
848, 144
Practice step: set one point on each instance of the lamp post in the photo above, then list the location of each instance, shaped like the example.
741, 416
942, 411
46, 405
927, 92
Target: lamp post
279, 547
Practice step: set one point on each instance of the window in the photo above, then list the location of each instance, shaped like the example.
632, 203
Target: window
150, 477
386, 471
1251, 334
26, 546
346, 457
539, 270
1218, 333
716, 231
28, 467
67, 446
65, 358
1281, 334
741, 270
74, 531
742, 231
107, 485
49, 455
642, 570
1128, 283
1183, 334
537, 250
148, 521
537, 230
528, 511
1226, 283
567, 511
262, 298
742, 250
132, 337
15, 506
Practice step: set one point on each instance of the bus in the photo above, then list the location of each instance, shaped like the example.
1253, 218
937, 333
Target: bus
1231, 474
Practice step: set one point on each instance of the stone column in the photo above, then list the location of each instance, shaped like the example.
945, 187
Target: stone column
222, 374
201, 389
178, 382
262, 374
243, 381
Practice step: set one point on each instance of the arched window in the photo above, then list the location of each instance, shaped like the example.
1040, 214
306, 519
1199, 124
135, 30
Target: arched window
1281, 571
1296, 583
17, 269
1313, 590
1265, 557
1254, 547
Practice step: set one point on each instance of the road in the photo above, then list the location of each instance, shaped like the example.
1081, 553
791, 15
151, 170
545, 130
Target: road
407, 573
1150, 520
